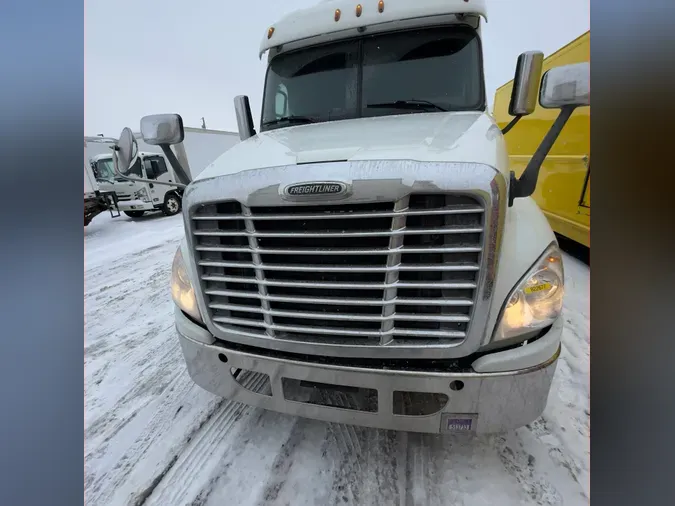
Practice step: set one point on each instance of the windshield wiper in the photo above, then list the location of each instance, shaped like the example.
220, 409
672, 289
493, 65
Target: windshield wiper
289, 119
409, 104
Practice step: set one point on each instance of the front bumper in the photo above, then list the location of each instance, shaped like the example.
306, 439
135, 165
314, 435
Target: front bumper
135, 205
488, 402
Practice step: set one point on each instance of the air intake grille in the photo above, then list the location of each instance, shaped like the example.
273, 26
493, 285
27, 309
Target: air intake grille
364, 273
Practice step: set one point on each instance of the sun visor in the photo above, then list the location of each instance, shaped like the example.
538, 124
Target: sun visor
333, 16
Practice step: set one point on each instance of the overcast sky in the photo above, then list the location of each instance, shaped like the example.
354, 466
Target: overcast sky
156, 56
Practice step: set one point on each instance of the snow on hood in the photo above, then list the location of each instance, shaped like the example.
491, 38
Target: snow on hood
444, 137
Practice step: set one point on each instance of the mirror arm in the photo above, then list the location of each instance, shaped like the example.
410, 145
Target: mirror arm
138, 179
177, 167
511, 124
525, 186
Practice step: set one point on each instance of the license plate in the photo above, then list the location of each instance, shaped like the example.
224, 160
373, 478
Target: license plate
458, 422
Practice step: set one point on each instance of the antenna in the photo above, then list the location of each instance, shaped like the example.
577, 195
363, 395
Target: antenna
203, 123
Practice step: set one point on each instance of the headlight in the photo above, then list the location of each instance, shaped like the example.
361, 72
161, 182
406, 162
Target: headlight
181, 289
142, 194
536, 302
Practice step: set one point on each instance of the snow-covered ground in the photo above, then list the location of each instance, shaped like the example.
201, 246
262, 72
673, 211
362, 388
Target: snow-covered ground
153, 437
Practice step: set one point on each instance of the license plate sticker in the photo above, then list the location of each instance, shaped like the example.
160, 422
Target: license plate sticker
458, 422
537, 288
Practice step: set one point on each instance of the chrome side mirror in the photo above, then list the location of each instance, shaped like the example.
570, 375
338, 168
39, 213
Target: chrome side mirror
565, 86
159, 129
526, 83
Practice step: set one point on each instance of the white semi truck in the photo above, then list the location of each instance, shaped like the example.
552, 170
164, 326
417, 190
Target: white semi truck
135, 198
370, 238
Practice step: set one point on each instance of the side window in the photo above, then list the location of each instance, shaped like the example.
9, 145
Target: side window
154, 167
135, 169
281, 102
160, 166
149, 169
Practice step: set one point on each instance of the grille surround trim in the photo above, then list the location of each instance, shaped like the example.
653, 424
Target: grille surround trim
369, 181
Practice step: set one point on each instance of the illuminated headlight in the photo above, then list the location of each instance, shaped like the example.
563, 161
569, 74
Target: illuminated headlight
536, 302
181, 289
142, 194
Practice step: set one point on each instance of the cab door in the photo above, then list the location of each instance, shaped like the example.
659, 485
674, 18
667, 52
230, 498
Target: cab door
156, 169
135, 171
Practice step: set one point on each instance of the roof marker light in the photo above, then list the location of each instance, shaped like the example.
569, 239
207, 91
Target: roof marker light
380, 6
359, 10
270, 31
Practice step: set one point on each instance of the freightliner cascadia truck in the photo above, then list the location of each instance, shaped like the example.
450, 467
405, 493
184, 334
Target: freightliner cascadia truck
367, 255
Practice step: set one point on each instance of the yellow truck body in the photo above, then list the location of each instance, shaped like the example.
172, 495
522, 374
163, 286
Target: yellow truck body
564, 188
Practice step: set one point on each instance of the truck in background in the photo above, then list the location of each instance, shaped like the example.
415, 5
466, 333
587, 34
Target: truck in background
96, 199
564, 189
370, 239
135, 198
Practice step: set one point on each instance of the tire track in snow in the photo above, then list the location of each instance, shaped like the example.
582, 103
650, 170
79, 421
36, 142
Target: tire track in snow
521, 464
239, 474
349, 453
196, 456
379, 466
136, 496
153, 375
112, 482
282, 465
418, 474
330, 463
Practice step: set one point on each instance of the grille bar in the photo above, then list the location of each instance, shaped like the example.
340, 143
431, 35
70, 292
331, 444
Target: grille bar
339, 268
370, 233
340, 301
327, 216
259, 273
396, 239
353, 251
336, 331
338, 286
340, 316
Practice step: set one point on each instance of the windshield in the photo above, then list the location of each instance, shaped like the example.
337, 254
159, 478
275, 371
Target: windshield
104, 170
430, 70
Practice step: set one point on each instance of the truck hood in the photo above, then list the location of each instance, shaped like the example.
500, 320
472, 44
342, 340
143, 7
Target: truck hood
424, 137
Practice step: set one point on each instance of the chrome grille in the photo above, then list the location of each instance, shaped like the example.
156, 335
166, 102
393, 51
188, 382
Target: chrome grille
404, 271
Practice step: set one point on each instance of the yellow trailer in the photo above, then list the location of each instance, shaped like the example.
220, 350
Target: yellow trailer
564, 187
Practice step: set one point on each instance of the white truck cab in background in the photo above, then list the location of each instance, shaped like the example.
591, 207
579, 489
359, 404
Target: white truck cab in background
160, 190
97, 199
135, 198
371, 239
